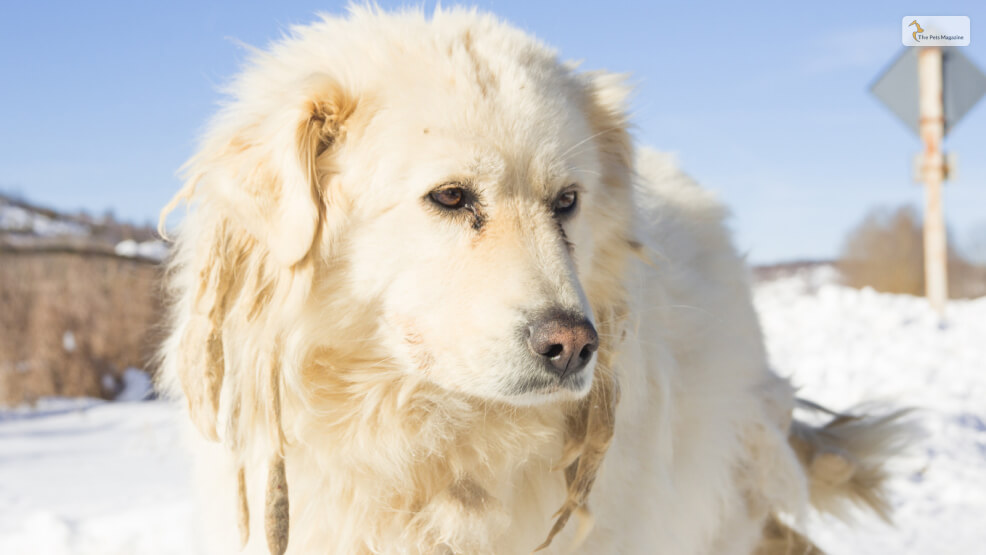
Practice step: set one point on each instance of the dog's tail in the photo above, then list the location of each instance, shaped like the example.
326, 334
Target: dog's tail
846, 458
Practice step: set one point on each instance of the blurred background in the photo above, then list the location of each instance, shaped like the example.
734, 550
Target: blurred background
766, 103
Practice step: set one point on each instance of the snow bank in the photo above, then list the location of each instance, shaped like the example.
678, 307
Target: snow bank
136, 386
154, 249
88, 477
21, 220
843, 347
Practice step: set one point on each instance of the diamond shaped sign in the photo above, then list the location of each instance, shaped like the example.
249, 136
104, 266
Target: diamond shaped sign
963, 85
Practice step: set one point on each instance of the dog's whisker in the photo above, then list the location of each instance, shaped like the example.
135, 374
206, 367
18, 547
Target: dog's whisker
589, 138
586, 171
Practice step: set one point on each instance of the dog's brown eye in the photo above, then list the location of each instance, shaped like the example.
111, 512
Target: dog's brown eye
565, 203
451, 197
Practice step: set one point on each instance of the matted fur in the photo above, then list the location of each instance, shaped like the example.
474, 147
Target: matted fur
356, 355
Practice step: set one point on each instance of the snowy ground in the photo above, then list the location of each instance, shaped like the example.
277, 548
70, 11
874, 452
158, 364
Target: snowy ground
95, 478
86, 477
844, 347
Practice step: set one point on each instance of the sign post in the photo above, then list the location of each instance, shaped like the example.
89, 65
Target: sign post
930, 88
932, 129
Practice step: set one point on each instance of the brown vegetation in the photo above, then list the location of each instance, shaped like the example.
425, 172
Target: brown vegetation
71, 322
886, 252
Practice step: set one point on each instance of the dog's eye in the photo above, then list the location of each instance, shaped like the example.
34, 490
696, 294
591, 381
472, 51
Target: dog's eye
565, 203
450, 197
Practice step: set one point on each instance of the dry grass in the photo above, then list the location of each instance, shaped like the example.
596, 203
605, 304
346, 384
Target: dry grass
886, 252
70, 323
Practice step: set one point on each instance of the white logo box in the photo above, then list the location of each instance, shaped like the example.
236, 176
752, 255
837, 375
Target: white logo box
935, 30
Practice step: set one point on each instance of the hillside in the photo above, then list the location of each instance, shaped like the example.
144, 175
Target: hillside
78, 302
28, 227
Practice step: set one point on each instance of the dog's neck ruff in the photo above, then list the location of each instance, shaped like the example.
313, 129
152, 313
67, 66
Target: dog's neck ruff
407, 459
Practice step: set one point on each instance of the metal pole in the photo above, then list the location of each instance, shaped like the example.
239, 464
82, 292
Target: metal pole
933, 173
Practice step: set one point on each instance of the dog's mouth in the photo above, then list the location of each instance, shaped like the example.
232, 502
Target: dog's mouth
545, 384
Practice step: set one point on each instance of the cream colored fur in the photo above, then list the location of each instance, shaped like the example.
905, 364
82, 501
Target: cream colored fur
327, 318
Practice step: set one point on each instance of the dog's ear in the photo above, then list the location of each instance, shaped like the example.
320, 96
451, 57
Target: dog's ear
261, 162
258, 183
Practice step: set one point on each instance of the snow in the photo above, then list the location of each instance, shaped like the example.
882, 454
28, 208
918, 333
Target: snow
68, 341
154, 249
90, 477
844, 347
21, 220
137, 386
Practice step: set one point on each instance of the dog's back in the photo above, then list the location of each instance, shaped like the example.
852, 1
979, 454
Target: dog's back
734, 418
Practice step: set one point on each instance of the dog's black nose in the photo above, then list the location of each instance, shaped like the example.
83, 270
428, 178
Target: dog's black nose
566, 341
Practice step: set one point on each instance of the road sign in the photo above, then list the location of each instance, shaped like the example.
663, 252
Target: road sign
964, 84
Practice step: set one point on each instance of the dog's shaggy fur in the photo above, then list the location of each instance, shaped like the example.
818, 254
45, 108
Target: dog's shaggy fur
356, 353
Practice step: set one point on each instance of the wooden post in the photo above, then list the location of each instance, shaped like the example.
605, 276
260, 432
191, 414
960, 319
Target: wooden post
932, 127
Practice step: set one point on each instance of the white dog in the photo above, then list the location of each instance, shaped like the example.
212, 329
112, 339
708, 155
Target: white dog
428, 299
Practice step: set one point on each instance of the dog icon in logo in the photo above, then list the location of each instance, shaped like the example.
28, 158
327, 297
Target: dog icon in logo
919, 30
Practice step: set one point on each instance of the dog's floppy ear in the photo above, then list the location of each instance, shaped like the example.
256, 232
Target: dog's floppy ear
261, 162
259, 211
259, 185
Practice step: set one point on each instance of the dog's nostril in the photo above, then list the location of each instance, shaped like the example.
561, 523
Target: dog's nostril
565, 341
554, 350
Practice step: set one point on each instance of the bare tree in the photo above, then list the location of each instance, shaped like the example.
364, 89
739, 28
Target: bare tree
886, 252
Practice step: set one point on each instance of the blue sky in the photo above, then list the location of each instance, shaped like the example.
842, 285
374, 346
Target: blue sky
766, 103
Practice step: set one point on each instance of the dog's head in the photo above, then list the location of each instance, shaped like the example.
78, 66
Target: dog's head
481, 190
454, 185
